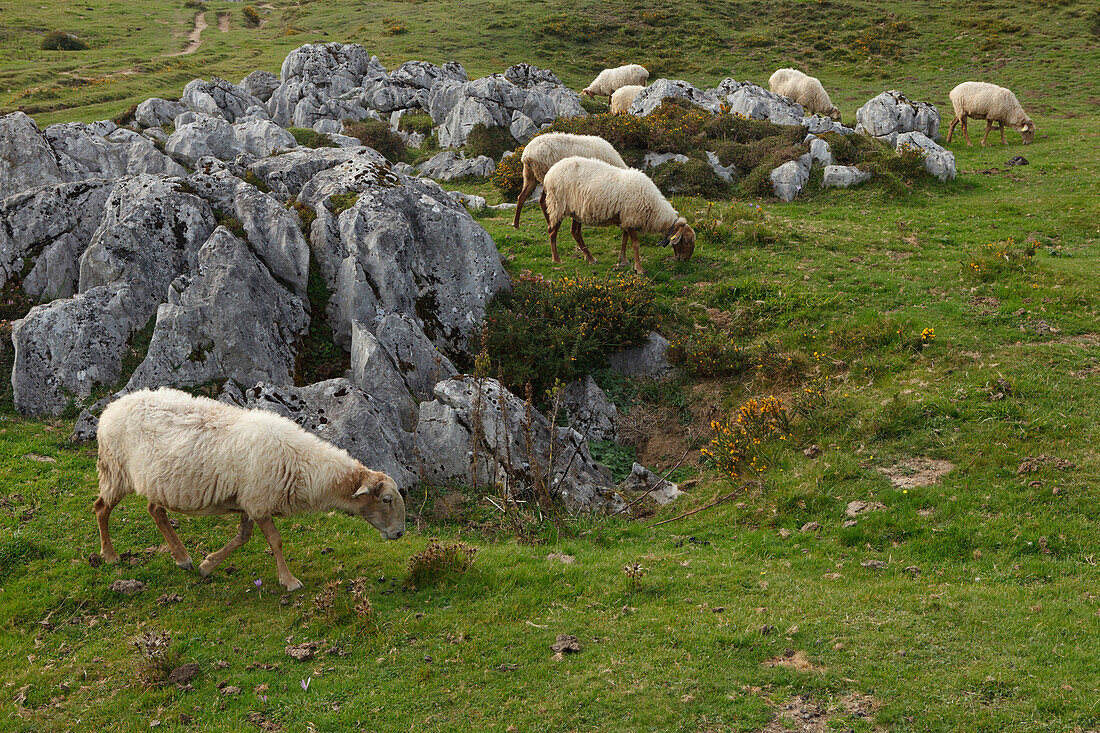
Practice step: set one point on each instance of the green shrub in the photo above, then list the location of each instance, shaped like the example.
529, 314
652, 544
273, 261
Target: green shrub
378, 135
61, 41
319, 358
708, 354
439, 560
393, 27
231, 223
545, 330
306, 215
595, 105
491, 141
311, 138
693, 178
420, 122
251, 16
508, 177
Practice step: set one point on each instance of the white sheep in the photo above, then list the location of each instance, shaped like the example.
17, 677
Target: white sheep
595, 193
804, 89
624, 97
991, 103
545, 150
198, 456
608, 80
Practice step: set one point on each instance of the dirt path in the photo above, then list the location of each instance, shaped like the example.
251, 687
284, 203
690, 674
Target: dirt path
194, 37
223, 22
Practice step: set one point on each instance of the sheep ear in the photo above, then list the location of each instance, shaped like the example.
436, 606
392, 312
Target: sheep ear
363, 491
675, 239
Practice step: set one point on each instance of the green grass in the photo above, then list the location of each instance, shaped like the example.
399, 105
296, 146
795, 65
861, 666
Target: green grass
997, 632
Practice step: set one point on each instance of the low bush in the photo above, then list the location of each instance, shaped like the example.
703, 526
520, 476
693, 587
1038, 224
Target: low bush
393, 27
491, 141
998, 259
251, 16
692, 178
735, 448
439, 560
311, 138
507, 179
420, 122
708, 354
378, 135
61, 41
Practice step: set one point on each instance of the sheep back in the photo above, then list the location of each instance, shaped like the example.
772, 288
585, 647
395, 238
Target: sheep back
609, 80
598, 194
802, 88
544, 151
623, 97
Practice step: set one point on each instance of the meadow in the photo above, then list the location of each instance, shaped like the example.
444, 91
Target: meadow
963, 594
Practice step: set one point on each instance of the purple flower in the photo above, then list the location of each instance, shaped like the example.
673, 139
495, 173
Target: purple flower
263, 698
258, 582
305, 683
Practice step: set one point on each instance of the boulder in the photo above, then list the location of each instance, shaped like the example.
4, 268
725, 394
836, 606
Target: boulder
522, 127
529, 76
218, 98
286, 174
419, 74
156, 112
26, 158
649, 99
937, 160
589, 410
262, 138
375, 371
86, 154
791, 177
648, 360
727, 173
843, 176
471, 201
450, 165
820, 152
228, 319
750, 100
475, 431
652, 160
337, 67
462, 118
387, 95
206, 136
817, 125
419, 361
892, 113
260, 84
643, 481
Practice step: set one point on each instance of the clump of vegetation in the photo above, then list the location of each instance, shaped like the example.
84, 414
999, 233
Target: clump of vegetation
251, 16
126, 117
595, 105
694, 177
61, 41
378, 135
155, 658
319, 358
311, 138
341, 202
393, 27
194, 4
306, 215
734, 449
708, 354
490, 141
999, 259
251, 178
440, 560
546, 330
507, 179
232, 223
420, 122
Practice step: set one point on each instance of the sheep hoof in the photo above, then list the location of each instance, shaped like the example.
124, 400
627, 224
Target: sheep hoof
186, 565
205, 571
294, 585
111, 558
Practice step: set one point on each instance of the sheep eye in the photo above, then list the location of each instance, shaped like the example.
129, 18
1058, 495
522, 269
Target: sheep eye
387, 499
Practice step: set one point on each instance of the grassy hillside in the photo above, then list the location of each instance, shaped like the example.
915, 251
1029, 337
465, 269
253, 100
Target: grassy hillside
970, 603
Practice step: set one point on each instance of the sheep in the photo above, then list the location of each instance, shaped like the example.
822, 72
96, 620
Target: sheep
991, 103
608, 80
806, 90
547, 149
596, 193
201, 457
623, 97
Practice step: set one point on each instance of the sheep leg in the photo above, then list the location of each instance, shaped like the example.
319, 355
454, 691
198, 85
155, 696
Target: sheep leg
1003, 134
637, 256
951, 129
103, 516
179, 552
528, 187
542, 205
966, 133
576, 230
275, 541
554, 241
622, 249
988, 127
215, 559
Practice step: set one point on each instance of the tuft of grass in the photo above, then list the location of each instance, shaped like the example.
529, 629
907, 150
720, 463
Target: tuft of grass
319, 358
61, 41
439, 561
311, 138
378, 135
251, 16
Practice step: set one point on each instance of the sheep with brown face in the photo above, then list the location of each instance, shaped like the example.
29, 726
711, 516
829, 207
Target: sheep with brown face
595, 193
609, 80
989, 102
197, 456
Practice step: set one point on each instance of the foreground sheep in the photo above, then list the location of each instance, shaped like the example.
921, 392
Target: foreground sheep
546, 150
595, 193
197, 456
609, 80
806, 90
991, 103
624, 97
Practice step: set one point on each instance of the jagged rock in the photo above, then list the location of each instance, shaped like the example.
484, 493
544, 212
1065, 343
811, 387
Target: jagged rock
316, 79
412, 139
469, 200
286, 174
513, 447
156, 134
341, 413
345, 141
218, 98
261, 138
648, 360
86, 154
820, 152
727, 173
522, 127
590, 412
55, 272
374, 370
419, 361
450, 165
206, 136
528, 76
649, 99
843, 176
464, 116
260, 84
228, 319
403, 247
421, 74
753, 101
892, 113
26, 158
103, 128
642, 480
938, 161
652, 160
156, 112
790, 178
328, 127
387, 95
817, 125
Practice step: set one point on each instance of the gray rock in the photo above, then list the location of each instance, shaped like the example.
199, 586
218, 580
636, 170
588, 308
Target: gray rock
228, 319
817, 125
85, 154
412, 139
417, 74
156, 112
450, 165
375, 371
341, 413
262, 138
590, 412
260, 84
567, 102
419, 361
649, 99
286, 174
475, 430
727, 173
388, 95
790, 178
55, 272
642, 480
937, 160
328, 127
757, 103
647, 360
529, 76
892, 113
206, 136
464, 116
652, 160
469, 200
820, 152
103, 127
336, 66
843, 176
539, 108
217, 98
26, 158
522, 127
156, 134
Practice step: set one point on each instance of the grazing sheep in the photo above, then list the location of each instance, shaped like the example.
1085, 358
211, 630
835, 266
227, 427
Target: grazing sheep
623, 97
596, 193
608, 80
546, 150
197, 456
991, 103
806, 90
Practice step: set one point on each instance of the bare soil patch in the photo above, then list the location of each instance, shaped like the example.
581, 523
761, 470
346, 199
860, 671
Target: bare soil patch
914, 472
793, 659
194, 37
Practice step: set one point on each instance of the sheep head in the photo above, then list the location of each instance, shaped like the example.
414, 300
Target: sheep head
587, 93
682, 238
834, 114
1028, 132
377, 500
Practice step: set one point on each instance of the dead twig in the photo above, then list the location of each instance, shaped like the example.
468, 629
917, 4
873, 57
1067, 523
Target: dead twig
714, 503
